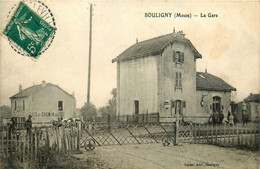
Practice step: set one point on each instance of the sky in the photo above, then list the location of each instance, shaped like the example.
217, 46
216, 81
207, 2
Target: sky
229, 44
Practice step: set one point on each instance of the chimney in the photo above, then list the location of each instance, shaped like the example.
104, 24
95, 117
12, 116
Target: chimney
206, 71
20, 88
178, 34
181, 34
136, 40
43, 83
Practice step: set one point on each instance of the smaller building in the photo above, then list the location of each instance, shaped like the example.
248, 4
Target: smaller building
44, 102
213, 94
253, 106
250, 105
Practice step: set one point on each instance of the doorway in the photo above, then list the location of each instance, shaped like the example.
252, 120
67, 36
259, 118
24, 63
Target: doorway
178, 107
136, 110
136, 107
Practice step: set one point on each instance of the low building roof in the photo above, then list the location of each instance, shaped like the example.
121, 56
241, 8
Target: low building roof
34, 89
153, 46
209, 82
253, 98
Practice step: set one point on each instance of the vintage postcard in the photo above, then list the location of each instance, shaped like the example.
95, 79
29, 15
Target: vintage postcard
129, 84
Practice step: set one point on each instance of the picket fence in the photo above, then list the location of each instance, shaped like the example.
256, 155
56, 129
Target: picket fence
32, 148
228, 136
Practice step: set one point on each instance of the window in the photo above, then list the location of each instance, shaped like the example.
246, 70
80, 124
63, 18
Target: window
216, 104
178, 79
23, 105
178, 57
60, 105
15, 105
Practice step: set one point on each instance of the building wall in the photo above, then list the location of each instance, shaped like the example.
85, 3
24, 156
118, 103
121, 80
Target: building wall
43, 105
168, 73
207, 108
254, 108
138, 80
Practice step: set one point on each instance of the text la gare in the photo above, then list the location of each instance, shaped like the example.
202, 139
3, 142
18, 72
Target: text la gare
209, 15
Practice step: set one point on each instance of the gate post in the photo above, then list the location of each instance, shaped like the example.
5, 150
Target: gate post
177, 129
78, 124
108, 121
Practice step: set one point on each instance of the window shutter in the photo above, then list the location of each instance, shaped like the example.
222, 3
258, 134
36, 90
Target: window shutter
180, 79
184, 104
182, 58
174, 56
173, 103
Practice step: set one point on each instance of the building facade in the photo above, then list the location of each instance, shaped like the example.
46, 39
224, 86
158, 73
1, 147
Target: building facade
44, 102
253, 106
159, 75
213, 94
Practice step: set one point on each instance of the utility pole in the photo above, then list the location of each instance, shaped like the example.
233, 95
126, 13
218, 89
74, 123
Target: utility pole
89, 59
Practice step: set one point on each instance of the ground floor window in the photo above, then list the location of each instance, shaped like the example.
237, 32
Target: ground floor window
216, 104
60, 105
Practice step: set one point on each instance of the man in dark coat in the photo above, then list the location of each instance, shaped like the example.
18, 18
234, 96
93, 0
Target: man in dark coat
245, 118
221, 117
28, 125
215, 117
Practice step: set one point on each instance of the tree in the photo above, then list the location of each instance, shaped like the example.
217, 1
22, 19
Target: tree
5, 113
88, 111
110, 108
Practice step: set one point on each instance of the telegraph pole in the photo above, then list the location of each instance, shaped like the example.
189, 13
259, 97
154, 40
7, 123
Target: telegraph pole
89, 59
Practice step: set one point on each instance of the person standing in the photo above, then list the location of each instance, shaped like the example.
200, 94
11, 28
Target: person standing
221, 117
229, 114
28, 125
231, 120
215, 117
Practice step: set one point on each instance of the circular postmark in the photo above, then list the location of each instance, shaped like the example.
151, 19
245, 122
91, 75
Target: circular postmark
30, 28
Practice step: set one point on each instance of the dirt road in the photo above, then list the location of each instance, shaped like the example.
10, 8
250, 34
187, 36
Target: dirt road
186, 156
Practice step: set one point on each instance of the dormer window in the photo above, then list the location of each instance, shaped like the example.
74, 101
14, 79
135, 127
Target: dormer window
178, 57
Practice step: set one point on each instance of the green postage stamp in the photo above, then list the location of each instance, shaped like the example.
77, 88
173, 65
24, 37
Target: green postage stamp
28, 33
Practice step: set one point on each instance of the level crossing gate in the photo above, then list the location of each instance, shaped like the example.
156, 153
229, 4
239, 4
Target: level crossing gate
105, 134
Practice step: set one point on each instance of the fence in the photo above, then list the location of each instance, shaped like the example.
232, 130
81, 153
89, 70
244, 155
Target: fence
139, 118
228, 136
34, 147
105, 134
114, 133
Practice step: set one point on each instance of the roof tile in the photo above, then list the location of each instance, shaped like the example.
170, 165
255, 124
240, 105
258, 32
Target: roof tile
151, 46
206, 81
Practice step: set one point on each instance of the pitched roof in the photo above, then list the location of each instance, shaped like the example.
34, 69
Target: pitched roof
153, 46
253, 98
34, 89
209, 82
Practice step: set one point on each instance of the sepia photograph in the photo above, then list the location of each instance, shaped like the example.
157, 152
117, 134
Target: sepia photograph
143, 84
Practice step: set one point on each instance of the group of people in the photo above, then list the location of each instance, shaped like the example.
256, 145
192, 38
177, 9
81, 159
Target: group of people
27, 125
217, 118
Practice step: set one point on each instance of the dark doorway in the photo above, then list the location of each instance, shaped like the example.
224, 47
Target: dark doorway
136, 107
136, 110
178, 107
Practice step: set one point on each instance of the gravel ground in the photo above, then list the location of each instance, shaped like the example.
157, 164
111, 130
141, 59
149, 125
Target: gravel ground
149, 156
